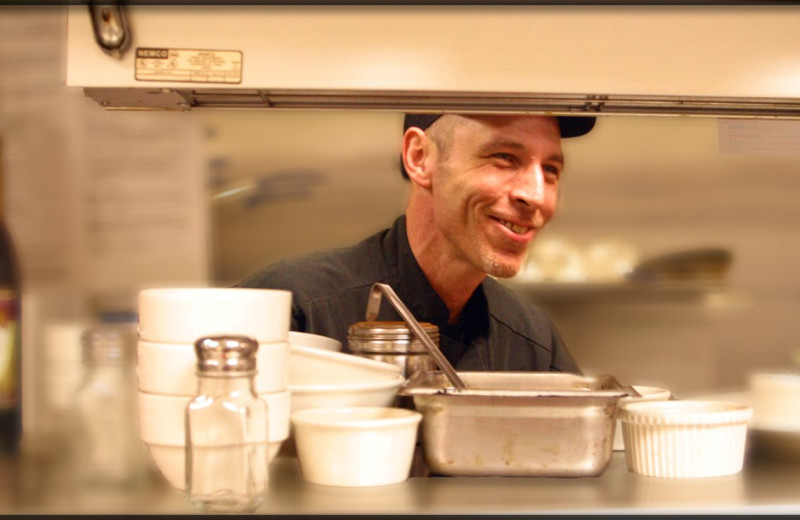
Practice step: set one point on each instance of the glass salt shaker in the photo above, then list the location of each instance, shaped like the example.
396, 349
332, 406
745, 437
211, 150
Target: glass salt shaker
226, 429
107, 447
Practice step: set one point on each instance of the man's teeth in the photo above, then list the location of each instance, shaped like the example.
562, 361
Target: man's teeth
513, 227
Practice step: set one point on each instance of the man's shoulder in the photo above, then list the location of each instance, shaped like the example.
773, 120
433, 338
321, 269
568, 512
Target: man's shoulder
317, 274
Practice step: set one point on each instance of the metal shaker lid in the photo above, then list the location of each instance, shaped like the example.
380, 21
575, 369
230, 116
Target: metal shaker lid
388, 336
226, 354
109, 344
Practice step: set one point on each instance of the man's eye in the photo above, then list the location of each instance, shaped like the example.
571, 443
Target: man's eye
552, 173
505, 157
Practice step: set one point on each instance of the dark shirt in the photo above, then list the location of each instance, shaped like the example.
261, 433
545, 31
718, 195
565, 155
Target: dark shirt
497, 330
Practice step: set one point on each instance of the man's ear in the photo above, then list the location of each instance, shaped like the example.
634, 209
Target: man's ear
416, 149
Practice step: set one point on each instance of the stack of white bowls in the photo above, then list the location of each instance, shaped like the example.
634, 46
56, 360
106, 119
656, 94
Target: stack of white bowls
171, 320
325, 378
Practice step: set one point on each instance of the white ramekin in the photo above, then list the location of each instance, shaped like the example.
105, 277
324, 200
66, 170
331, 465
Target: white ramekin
355, 447
685, 438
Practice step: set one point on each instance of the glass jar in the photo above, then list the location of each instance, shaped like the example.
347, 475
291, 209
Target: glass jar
227, 440
393, 342
106, 440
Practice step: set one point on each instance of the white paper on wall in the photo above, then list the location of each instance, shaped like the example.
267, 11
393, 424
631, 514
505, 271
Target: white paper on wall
759, 136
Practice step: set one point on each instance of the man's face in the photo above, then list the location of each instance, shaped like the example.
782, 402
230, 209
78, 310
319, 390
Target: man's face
494, 185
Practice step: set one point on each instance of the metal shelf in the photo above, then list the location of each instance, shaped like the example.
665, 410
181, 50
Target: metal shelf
671, 291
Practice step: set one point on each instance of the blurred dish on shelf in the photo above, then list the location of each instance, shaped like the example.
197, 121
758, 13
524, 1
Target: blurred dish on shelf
609, 260
555, 259
692, 264
551, 260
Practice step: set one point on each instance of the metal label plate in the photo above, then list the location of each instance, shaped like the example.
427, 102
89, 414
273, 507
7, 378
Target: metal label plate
191, 65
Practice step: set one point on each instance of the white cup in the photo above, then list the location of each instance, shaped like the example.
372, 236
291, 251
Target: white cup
162, 428
183, 315
170, 368
162, 421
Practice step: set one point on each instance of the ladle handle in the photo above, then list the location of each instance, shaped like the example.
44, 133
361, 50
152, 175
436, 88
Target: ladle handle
374, 304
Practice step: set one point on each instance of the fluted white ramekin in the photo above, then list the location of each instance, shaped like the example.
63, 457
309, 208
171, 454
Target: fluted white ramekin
685, 438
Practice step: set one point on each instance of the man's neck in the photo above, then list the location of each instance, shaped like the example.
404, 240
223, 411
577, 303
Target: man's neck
453, 280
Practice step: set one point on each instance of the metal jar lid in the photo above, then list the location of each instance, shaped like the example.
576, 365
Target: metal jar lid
388, 336
220, 354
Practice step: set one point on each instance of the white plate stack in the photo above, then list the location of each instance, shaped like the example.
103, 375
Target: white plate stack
171, 320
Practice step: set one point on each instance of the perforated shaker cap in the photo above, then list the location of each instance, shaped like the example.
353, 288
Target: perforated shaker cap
109, 344
221, 354
388, 336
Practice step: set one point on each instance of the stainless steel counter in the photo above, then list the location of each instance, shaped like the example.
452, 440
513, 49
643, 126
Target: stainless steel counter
38, 485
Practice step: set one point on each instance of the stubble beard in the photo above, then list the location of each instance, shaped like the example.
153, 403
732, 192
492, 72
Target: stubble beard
494, 265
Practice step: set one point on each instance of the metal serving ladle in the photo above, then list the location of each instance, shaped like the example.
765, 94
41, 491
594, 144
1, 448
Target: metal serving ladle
374, 304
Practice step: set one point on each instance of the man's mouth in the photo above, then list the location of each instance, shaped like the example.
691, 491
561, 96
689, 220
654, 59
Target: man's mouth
519, 230
538, 223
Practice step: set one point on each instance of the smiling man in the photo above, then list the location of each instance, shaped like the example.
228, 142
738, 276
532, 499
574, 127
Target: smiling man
482, 186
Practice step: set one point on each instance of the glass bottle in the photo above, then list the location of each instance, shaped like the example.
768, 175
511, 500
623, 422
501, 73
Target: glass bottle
227, 442
108, 450
10, 353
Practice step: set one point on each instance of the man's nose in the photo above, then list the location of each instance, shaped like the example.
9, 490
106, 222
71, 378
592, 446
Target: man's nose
529, 187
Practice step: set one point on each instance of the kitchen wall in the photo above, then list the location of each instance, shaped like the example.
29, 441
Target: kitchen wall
99, 204
248, 188
285, 183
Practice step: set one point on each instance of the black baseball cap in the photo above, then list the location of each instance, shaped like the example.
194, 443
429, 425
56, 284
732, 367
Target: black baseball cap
570, 126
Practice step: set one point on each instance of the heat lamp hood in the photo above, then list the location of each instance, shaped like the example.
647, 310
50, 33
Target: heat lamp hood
732, 61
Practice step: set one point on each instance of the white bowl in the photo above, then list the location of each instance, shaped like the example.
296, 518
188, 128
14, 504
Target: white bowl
647, 393
171, 461
685, 438
313, 366
776, 400
169, 368
306, 339
343, 395
362, 446
183, 315
161, 417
